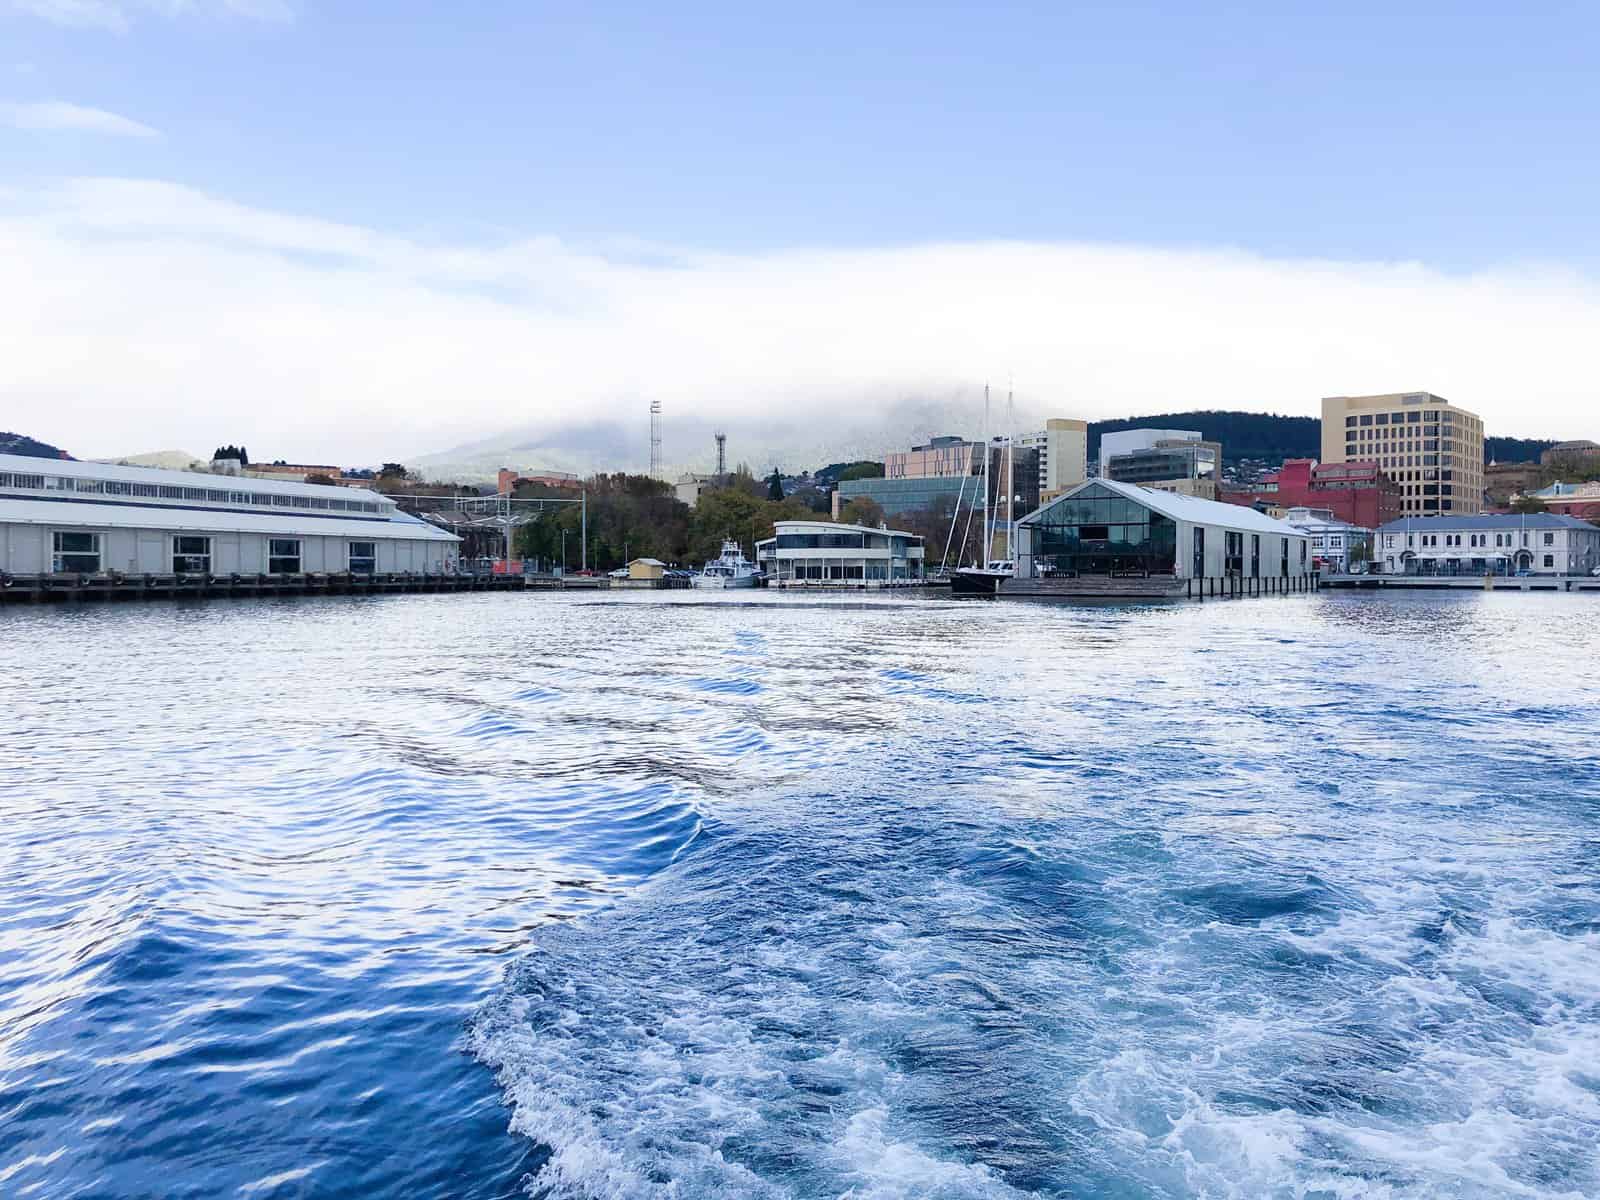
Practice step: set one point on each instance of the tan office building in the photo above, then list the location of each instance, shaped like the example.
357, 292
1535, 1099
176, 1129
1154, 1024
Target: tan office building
1063, 446
1427, 445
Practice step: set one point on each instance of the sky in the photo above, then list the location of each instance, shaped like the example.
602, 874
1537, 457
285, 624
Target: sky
355, 232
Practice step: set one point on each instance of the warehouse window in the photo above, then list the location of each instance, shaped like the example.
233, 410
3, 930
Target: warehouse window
283, 556
191, 556
363, 558
76, 552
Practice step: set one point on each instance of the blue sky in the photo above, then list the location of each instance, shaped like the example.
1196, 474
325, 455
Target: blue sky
1456, 139
1454, 134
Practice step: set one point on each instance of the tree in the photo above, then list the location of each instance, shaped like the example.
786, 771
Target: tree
232, 451
1527, 504
325, 480
861, 470
393, 469
775, 485
863, 510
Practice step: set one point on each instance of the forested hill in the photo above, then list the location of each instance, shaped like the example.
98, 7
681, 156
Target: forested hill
1264, 436
1271, 438
16, 443
1514, 450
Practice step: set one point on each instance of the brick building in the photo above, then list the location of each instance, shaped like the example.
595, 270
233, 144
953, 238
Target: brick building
1359, 493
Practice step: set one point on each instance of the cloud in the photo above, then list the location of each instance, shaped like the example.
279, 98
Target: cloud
118, 15
59, 115
142, 314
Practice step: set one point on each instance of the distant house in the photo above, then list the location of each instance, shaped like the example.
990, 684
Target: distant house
646, 568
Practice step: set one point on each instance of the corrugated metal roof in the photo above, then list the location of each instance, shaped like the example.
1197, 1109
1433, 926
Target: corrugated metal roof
156, 475
1489, 521
835, 526
60, 513
1180, 508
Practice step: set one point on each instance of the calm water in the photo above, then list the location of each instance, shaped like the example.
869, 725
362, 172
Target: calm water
656, 896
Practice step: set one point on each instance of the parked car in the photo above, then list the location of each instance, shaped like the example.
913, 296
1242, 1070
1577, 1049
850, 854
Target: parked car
619, 573
1595, 572
1524, 573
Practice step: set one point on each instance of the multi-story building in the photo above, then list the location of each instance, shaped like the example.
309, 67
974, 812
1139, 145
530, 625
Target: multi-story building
941, 458
1129, 441
1430, 447
1063, 449
1334, 543
1578, 453
1186, 466
1501, 543
1357, 492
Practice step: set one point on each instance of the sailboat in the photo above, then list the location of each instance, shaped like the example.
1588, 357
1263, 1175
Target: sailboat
987, 578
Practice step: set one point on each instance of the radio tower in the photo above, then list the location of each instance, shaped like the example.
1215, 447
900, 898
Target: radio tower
655, 439
722, 454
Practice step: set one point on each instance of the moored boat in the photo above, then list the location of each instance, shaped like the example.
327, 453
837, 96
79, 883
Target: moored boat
731, 570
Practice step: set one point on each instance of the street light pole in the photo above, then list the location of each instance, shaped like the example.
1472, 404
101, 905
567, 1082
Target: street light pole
584, 510
563, 551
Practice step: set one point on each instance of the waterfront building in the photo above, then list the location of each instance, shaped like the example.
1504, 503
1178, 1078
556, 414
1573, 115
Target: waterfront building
1357, 492
1335, 544
1107, 527
1187, 466
1430, 447
821, 552
1131, 441
647, 569
1500, 543
88, 518
1063, 450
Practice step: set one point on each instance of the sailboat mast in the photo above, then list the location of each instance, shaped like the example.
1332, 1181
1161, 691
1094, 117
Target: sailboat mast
988, 534
1011, 479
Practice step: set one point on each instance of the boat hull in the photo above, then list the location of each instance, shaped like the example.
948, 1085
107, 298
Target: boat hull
976, 583
717, 583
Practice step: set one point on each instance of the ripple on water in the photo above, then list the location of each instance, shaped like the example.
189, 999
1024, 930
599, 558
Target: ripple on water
800, 899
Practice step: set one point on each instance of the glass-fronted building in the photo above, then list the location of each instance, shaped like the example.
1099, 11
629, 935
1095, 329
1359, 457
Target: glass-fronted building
1106, 527
822, 552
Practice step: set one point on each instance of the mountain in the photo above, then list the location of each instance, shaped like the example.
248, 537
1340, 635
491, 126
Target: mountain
16, 443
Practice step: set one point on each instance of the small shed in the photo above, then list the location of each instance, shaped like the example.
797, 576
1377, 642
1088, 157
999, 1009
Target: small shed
646, 568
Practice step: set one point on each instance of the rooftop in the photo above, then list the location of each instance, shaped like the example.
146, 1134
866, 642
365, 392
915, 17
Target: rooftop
1180, 508
1489, 521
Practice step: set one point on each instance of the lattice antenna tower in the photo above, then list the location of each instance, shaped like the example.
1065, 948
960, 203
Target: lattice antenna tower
722, 454
655, 439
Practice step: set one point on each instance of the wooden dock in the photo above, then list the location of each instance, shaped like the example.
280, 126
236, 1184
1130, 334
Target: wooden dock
115, 586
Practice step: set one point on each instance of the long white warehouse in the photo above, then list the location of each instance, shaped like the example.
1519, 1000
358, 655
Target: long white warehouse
87, 518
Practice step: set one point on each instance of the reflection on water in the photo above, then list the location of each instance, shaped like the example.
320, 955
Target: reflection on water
802, 897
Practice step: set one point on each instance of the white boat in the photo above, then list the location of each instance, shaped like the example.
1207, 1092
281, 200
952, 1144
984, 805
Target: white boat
732, 570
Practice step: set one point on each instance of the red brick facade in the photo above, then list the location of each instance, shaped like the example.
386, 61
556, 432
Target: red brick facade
1357, 492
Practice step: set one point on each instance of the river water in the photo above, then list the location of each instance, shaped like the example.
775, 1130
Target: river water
666, 895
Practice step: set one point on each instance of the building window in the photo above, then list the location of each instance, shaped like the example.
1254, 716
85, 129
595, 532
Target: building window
1549, 539
191, 556
1549, 560
283, 556
76, 552
363, 558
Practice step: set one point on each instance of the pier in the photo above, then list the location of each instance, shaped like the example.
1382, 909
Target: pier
1477, 583
66, 587
1158, 587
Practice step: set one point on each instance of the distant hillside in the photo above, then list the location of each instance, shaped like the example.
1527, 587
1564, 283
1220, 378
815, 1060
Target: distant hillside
1514, 450
1264, 436
16, 443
